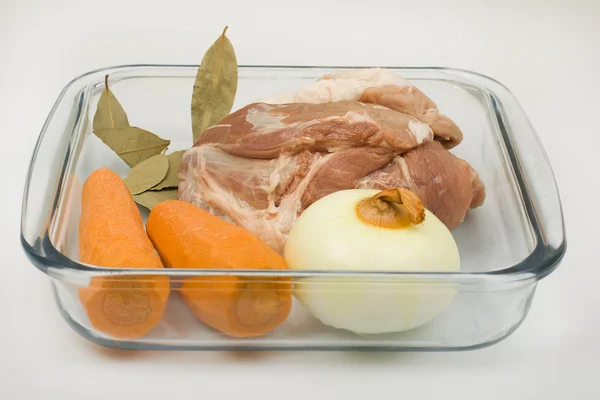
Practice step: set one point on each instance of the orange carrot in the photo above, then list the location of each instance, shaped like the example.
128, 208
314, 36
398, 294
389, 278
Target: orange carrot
188, 237
111, 234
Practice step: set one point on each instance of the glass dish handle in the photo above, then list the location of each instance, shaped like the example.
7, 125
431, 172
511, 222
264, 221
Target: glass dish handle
45, 177
538, 178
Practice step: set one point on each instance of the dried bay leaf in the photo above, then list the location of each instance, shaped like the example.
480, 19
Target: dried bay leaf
111, 125
110, 113
132, 144
215, 86
147, 174
151, 198
171, 179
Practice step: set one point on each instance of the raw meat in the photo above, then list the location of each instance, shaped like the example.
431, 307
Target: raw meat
263, 196
447, 185
347, 85
262, 130
343, 170
263, 165
377, 86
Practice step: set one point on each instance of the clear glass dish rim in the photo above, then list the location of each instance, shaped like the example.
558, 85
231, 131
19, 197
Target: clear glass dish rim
542, 260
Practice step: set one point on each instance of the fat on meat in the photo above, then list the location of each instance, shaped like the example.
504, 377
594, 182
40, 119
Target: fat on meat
377, 86
262, 130
263, 165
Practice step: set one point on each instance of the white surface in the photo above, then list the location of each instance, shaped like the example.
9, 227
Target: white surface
546, 52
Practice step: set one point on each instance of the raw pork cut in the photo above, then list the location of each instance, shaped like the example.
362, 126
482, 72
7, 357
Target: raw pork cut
440, 180
377, 86
263, 165
262, 130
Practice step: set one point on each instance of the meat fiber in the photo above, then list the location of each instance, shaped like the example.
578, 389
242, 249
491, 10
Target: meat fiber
263, 196
446, 185
377, 86
262, 130
263, 165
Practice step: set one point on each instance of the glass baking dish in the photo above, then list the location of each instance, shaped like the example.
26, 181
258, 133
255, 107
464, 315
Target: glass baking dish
516, 238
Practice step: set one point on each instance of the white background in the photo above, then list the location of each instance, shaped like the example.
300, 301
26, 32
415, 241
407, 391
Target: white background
546, 52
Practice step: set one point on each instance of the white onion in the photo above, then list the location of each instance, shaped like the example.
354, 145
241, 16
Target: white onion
331, 236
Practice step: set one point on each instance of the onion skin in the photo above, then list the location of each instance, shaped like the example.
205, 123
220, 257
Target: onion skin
330, 236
